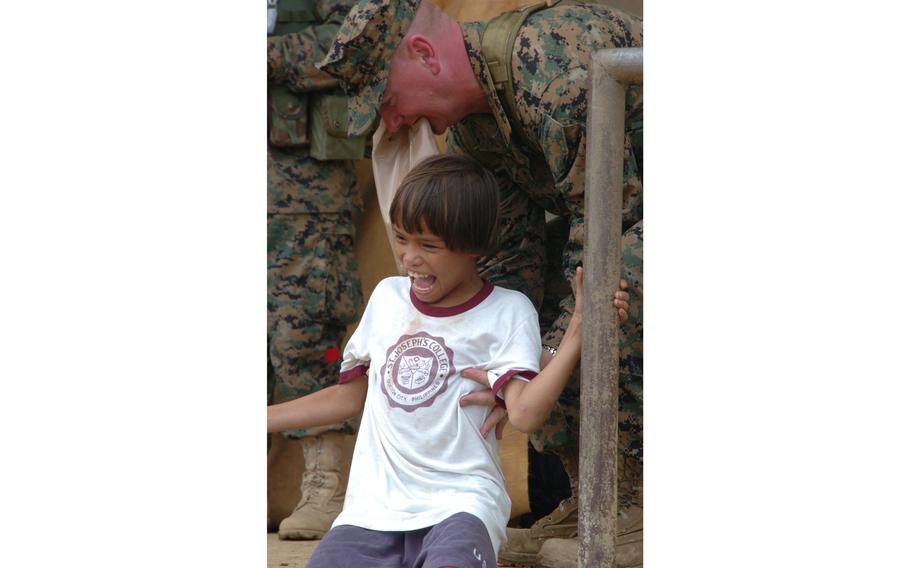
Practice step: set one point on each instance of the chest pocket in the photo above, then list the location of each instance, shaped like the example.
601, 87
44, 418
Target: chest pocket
560, 145
287, 118
328, 130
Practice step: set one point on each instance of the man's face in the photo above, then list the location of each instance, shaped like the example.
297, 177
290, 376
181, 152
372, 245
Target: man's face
412, 91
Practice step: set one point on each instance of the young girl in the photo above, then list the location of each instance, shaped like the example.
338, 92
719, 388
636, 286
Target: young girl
425, 487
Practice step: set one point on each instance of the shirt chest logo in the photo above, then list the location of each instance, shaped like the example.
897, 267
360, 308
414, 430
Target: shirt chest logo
416, 371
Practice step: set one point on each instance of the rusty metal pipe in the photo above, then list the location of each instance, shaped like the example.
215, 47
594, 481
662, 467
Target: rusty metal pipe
612, 70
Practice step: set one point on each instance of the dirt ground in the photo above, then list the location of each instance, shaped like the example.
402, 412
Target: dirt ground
289, 553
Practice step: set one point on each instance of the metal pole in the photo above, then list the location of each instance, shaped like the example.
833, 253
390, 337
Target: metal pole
611, 71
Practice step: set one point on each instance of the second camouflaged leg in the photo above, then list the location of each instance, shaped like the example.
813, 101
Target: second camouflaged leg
313, 292
562, 426
559, 434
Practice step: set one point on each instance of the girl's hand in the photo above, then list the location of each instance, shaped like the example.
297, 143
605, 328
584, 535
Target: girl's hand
621, 301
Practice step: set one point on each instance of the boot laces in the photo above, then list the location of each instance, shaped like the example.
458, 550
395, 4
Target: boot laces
311, 480
561, 509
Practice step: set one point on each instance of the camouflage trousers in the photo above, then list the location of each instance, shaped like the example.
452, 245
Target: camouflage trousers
313, 293
562, 427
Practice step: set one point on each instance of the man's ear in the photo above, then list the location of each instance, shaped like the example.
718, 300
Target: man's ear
422, 50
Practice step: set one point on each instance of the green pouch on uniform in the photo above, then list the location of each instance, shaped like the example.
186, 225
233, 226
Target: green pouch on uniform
287, 118
328, 130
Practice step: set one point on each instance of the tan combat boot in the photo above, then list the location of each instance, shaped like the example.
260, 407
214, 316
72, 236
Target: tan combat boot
563, 553
523, 545
326, 462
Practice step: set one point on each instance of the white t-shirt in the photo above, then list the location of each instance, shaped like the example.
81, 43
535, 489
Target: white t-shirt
419, 456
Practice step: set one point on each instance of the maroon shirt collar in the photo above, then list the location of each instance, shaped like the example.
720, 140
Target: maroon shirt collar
440, 312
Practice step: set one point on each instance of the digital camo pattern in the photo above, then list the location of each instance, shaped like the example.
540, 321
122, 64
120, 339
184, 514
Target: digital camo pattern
313, 293
313, 285
362, 51
292, 56
554, 183
546, 165
562, 426
631, 348
298, 183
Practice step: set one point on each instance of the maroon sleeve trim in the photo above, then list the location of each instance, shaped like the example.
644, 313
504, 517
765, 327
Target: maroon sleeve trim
351, 374
501, 382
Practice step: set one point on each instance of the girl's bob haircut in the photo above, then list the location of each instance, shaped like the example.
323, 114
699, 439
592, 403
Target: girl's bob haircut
452, 197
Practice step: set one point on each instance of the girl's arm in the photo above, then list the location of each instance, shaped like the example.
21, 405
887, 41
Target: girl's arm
529, 404
328, 406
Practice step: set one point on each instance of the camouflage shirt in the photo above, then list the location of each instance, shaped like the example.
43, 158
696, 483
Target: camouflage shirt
298, 183
542, 169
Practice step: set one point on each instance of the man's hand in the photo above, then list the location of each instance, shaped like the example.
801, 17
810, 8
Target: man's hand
497, 416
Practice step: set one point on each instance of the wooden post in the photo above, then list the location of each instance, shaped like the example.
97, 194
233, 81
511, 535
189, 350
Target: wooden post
611, 71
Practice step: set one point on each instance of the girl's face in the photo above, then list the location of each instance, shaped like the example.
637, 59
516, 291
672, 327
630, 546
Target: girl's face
439, 276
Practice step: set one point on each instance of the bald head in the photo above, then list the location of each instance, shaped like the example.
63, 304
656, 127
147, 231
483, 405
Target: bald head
429, 19
431, 22
430, 75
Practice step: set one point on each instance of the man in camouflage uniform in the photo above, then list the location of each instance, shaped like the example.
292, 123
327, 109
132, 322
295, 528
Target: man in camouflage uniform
405, 59
313, 287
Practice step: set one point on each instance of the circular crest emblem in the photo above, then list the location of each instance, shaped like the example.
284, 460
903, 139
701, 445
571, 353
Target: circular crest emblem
416, 371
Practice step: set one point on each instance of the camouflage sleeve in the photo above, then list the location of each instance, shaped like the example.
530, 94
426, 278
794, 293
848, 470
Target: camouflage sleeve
561, 136
292, 57
550, 75
563, 140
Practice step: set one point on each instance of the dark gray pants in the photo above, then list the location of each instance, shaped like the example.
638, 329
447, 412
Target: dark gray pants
460, 541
